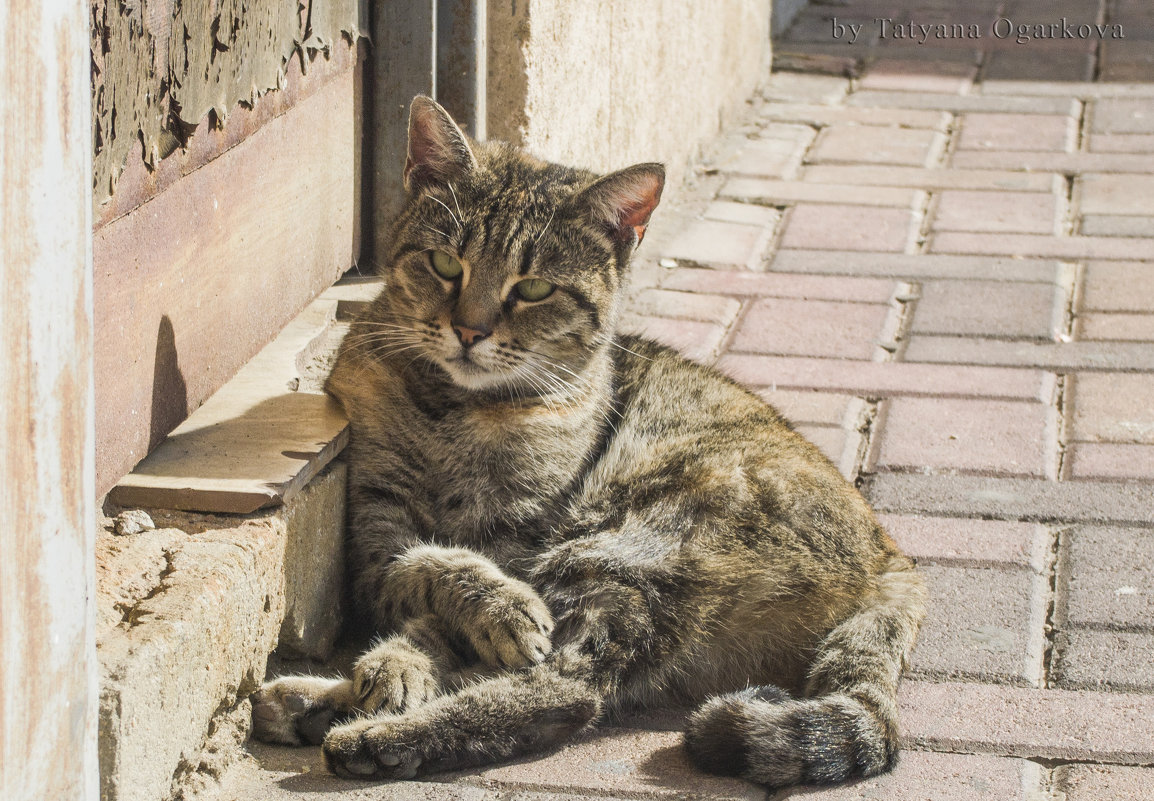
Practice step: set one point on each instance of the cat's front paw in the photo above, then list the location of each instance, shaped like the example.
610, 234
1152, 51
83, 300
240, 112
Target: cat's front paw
510, 626
393, 677
376, 748
299, 710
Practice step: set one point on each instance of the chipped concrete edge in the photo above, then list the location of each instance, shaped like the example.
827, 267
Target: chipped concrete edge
190, 604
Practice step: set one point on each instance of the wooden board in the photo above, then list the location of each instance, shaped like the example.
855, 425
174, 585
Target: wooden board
191, 284
255, 442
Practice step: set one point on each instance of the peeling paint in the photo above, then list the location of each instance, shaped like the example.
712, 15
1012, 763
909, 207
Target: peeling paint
159, 67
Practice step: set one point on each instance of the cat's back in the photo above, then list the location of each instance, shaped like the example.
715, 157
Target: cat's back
697, 442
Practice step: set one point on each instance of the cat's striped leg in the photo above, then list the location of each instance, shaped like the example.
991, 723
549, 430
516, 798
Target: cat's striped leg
846, 726
486, 722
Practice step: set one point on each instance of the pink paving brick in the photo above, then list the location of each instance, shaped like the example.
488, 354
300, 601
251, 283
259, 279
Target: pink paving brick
988, 131
972, 436
964, 541
985, 308
811, 328
892, 74
782, 285
816, 408
982, 623
1105, 782
685, 306
884, 379
1109, 460
940, 777
833, 227
1024, 212
1053, 724
622, 761
868, 144
1115, 194
1113, 407
1124, 287
711, 242
696, 340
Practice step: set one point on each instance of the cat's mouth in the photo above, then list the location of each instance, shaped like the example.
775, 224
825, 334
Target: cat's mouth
467, 372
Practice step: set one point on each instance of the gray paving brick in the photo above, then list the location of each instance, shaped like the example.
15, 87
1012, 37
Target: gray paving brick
1011, 498
1042, 246
1049, 355
900, 265
986, 308
1122, 116
1118, 225
962, 103
983, 624
929, 178
1053, 162
831, 115
1104, 660
1106, 578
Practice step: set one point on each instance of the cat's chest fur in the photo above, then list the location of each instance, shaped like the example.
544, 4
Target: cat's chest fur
494, 477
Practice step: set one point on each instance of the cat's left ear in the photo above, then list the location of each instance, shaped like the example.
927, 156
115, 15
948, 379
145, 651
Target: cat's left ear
439, 151
623, 201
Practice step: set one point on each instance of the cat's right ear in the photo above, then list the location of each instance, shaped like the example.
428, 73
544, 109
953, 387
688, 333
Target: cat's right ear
439, 151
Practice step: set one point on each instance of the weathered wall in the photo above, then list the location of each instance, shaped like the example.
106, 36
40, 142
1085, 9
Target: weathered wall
159, 67
226, 139
606, 83
47, 666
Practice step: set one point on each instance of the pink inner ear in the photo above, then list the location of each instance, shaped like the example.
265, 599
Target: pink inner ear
638, 203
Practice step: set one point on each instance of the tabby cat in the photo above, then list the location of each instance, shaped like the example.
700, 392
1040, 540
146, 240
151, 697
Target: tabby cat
551, 522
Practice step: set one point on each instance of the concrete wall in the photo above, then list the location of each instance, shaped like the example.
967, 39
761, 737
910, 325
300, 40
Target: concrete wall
47, 651
607, 83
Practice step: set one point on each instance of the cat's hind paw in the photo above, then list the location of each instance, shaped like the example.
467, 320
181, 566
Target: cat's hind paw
375, 748
299, 710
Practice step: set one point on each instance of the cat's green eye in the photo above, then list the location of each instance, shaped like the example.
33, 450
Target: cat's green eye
533, 289
445, 265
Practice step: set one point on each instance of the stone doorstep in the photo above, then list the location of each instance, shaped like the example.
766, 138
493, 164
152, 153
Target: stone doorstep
190, 611
188, 615
257, 441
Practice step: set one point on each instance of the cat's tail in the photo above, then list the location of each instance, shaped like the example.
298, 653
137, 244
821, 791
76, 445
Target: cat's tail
846, 726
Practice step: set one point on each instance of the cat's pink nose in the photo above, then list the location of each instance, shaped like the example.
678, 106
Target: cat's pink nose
468, 336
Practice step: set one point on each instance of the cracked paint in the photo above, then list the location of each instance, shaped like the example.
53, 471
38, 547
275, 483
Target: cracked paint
161, 66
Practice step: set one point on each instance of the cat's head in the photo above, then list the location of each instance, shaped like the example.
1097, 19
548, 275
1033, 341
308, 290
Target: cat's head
505, 270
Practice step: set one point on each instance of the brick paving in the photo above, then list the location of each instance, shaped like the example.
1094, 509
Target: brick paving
938, 260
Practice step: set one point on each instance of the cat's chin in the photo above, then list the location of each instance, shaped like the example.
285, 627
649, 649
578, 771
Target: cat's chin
470, 375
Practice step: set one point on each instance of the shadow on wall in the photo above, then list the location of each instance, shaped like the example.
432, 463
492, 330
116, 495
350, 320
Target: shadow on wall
169, 390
